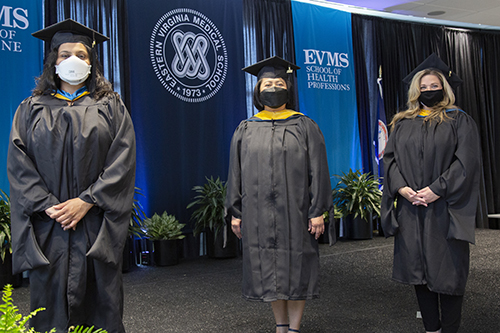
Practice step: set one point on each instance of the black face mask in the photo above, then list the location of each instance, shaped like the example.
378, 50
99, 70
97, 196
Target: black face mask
274, 97
431, 98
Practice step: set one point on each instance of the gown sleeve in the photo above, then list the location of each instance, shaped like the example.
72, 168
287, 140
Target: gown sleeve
28, 194
393, 181
233, 194
459, 184
113, 191
27, 186
320, 190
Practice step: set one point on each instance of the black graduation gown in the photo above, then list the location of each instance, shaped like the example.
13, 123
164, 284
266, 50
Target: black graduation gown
278, 180
59, 152
431, 243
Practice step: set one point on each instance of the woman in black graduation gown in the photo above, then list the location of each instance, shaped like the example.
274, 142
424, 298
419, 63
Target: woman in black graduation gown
71, 167
431, 189
278, 189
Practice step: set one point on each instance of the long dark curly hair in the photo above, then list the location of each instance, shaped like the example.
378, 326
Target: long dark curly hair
49, 82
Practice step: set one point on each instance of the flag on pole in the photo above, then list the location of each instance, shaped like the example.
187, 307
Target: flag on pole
382, 135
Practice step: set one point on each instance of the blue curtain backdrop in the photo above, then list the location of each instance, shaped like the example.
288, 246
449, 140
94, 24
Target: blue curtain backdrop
187, 95
20, 62
326, 84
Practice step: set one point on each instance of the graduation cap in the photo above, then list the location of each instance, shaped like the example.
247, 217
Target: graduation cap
69, 31
273, 67
434, 62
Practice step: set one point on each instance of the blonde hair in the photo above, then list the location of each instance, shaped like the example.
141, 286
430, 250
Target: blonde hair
437, 112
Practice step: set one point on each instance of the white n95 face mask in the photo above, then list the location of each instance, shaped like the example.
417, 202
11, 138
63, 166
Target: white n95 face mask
73, 70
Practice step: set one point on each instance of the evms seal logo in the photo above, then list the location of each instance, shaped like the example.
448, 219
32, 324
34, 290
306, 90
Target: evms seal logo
189, 55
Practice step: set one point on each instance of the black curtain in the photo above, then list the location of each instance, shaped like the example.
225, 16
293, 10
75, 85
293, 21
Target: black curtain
398, 46
268, 31
109, 17
490, 121
388, 49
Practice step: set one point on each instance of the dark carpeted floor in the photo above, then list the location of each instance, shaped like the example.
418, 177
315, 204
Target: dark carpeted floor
357, 294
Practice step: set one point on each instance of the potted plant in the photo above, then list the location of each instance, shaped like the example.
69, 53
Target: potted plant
6, 276
210, 216
135, 230
357, 197
5, 234
164, 231
136, 226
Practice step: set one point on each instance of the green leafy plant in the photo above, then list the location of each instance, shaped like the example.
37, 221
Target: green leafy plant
210, 202
336, 214
357, 193
5, 233
13, 322
163, 226
81, 329
137, 217
10, 320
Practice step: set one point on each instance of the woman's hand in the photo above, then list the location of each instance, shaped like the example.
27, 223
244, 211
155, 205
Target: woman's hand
409, 194
69, 213
421, 197
236, 226
427, 195
316, 226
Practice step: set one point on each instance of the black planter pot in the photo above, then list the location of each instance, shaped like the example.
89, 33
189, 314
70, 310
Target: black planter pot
215, 245
165, 252
358, 228
6, 276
